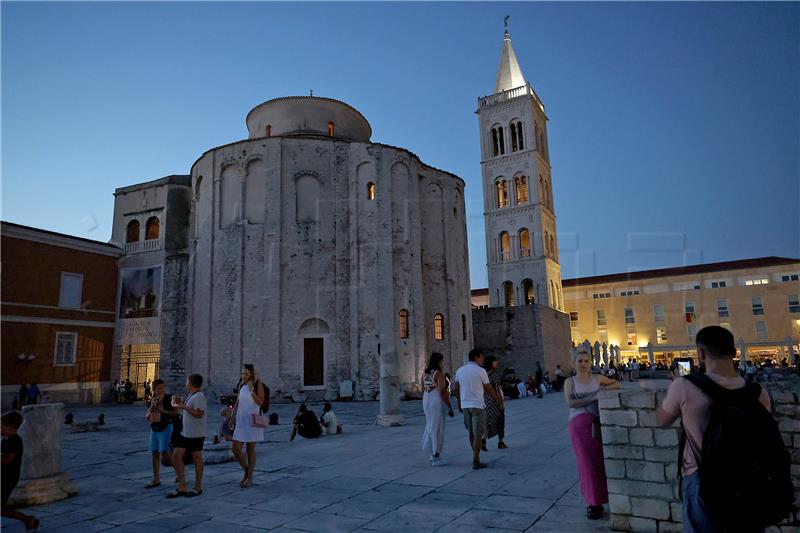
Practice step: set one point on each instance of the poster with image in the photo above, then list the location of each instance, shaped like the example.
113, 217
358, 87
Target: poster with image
138, 320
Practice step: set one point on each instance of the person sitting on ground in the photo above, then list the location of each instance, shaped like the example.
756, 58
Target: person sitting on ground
12, 464
328, 420
306, 424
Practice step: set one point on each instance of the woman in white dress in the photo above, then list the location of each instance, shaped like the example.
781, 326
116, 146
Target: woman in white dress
435, 397
251, 397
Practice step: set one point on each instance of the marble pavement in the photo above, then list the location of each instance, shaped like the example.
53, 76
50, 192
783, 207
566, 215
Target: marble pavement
368, 479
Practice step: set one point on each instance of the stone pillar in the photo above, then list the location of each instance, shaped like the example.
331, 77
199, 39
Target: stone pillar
41, 478
389, 414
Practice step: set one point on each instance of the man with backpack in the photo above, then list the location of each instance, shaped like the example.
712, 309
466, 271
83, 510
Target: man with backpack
735, 468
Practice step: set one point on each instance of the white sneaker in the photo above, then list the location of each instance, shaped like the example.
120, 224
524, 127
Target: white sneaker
438, 462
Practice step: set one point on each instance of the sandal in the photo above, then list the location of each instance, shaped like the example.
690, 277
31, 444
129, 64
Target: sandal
153, 484
193, 493
502, 445
177, 494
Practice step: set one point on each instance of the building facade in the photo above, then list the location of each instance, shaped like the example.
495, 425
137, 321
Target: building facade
519, 213
58, 313
655, 314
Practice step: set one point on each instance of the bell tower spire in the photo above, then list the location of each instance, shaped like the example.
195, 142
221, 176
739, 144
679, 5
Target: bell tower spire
509, 75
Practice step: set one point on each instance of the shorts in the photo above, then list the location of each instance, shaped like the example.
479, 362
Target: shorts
475, 421
190, 444
159, 440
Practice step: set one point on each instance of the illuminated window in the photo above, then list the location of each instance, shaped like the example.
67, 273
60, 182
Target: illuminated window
726, 325
403, 324
370, 191
602, 335
269, 130
688, 309
508, 292
661, 335
631, 334
527, 291
505, 247
758, 306
438, 327
524, 243
151, 229
758, 281
331, 129
521, 189
132, 231
502, 193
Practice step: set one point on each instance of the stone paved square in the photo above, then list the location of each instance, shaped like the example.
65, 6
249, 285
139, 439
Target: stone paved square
367, 479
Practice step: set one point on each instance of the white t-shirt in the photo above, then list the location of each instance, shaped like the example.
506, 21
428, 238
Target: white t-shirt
329, 423
195, 427
471, 379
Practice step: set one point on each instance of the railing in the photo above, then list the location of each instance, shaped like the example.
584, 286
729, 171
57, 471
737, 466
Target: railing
509, 95
525, 252
142, 246
505, 255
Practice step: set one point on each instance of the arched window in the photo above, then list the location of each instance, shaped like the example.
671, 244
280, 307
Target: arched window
331, 129
519, 136
513, 128
269, 130
524, 243
438, 327
500, 140
527, 291
546, 244
370, 191
132, 231
403, 324
463, 327
151, 228
508, 292
521, 189
505, 247
502, 193
495, 145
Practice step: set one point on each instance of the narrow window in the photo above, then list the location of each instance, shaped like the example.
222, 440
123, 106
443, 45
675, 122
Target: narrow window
658, 312
403, 324
524, 243
505, 247
508, 293
527, 291
66, 349
573, 318
438, 327
502, 193
629, 316
370, 191
331, 129
463, 327
553, 248
151, 229
722, 308
761, 329
495, 145
521, 185
758, 306
132, 231
601, 317
691, 332
71, 289
513, 138
269, 130
519, 136
688, 309
794, 303
500, 140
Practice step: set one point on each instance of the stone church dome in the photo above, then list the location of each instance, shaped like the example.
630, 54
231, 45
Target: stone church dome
307, 115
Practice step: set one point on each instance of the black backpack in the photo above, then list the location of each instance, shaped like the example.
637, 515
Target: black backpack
744, 469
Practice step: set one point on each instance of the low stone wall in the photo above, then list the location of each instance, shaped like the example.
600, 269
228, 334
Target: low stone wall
641, 458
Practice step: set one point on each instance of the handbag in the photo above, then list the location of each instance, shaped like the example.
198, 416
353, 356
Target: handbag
259, 421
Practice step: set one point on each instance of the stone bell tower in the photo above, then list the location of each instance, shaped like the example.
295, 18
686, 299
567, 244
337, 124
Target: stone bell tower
521, 242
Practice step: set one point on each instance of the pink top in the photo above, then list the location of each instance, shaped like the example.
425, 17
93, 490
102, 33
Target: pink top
685, 399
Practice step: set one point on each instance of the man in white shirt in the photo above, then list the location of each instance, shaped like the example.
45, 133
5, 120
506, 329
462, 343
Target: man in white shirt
471, 381
192, 436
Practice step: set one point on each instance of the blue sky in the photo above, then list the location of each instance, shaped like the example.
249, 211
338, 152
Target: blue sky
674, 128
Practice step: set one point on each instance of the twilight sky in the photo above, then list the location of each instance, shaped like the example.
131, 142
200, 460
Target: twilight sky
674, 128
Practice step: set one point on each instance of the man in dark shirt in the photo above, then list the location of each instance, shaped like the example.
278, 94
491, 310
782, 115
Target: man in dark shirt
306, 424
12, 464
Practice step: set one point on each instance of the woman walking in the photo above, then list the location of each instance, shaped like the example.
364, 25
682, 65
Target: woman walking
495, 412
435, 398
252, 394
580, 392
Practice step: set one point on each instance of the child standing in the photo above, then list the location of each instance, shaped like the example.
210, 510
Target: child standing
12, 464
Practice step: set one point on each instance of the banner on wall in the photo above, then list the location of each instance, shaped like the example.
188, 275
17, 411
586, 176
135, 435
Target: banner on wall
138, 319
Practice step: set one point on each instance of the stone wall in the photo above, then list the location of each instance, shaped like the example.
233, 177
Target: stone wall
641, 458
522, 336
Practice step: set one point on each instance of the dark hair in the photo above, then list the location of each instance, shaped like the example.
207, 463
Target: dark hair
488, 362
327, 406
433, 362
196, 380
474, 353
716, 341
248, 366
11, 418
303, 408
157, 382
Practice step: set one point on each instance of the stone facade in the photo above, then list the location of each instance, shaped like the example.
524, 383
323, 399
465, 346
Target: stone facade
641, 458
522, 336
309, 238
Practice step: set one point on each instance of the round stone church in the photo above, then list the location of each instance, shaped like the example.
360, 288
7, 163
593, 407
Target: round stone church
334, 264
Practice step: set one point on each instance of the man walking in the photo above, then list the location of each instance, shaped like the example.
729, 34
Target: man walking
471, 381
